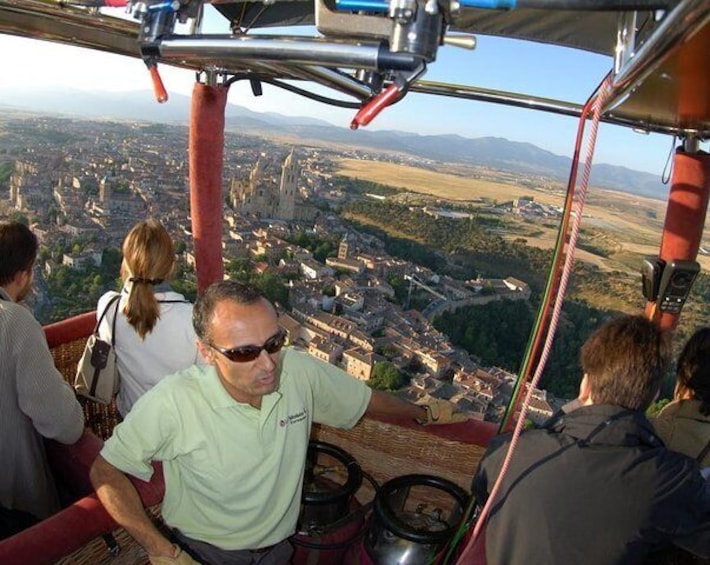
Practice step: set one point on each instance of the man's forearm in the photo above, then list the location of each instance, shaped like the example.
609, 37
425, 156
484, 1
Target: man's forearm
121, 500
386, 404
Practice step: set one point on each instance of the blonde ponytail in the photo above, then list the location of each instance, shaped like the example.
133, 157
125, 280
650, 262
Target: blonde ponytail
149, 259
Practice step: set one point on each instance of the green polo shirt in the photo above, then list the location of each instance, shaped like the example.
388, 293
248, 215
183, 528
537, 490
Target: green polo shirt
233, 474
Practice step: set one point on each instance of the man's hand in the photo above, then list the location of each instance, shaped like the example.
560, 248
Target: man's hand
441, 412
180, 558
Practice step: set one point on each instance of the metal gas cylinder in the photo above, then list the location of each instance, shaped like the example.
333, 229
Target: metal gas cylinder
329, 522
414, 517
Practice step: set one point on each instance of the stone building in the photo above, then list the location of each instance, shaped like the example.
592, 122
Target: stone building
262, 195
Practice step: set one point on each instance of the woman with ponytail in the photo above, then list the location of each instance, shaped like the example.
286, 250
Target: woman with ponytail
154, 334
684, 424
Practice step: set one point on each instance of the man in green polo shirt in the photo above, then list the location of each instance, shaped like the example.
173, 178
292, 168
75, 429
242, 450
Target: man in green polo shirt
232, 436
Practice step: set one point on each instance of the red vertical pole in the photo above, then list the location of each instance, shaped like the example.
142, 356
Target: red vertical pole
685, 217
206, 160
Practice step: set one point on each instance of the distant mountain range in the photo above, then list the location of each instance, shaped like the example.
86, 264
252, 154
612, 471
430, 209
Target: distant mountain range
494, 152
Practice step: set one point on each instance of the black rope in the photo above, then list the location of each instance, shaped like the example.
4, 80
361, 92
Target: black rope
295, 90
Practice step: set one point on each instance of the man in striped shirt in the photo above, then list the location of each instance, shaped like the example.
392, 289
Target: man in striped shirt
35, 401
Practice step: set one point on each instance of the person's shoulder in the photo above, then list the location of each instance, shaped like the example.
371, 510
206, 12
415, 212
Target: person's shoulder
291, 362
18, 314
105, 299
670, 410
530, 442
499, 441
183, 380
12, 308
294, 360
294, 355
527, 435
674, 466
176, 388
172, 298
174, 304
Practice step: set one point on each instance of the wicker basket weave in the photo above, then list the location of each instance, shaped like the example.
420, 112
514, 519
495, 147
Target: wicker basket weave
386, 451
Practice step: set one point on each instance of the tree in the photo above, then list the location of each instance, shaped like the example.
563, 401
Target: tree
238, 266
110, 264
261, 258
6, 170
385, 376
185, 287
323, 251
273, 287
19, 217
399, 285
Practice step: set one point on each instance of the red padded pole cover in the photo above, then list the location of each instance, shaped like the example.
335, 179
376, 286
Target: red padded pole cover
685, 216
206, 159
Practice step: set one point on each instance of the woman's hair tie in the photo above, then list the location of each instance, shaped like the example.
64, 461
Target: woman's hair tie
141, 280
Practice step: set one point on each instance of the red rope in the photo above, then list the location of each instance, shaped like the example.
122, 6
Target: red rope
596, 103
554, 268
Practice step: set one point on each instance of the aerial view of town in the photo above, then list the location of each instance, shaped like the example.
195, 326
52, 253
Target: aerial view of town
354, 283
420, 293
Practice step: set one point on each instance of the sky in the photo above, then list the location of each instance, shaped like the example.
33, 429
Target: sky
496, 63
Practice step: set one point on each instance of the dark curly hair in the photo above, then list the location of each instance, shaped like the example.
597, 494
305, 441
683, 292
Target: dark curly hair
693, 371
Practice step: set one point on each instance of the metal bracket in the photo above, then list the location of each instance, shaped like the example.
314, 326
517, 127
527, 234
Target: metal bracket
332, 23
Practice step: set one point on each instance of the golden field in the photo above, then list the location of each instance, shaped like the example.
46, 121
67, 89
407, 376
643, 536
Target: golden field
629, 226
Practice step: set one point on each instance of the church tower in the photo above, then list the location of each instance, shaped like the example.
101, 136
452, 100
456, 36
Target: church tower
257, 172
105, 192
344, 248
290, 172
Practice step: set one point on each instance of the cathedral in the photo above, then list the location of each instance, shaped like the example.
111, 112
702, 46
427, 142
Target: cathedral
262, 196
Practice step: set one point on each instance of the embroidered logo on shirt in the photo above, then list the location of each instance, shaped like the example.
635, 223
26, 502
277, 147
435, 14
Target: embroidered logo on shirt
293, 418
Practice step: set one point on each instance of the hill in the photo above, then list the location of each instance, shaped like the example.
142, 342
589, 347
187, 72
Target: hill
494, 152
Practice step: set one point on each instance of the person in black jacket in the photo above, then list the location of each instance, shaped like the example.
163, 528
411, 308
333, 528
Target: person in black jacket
597, 486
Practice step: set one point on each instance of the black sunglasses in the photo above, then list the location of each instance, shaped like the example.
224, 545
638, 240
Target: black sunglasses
248, 353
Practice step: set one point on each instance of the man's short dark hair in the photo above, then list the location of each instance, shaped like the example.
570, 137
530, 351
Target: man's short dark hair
18, 250
224, 290
625, 361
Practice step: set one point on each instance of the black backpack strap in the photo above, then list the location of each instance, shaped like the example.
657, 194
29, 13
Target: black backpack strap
113, 326
103, 315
